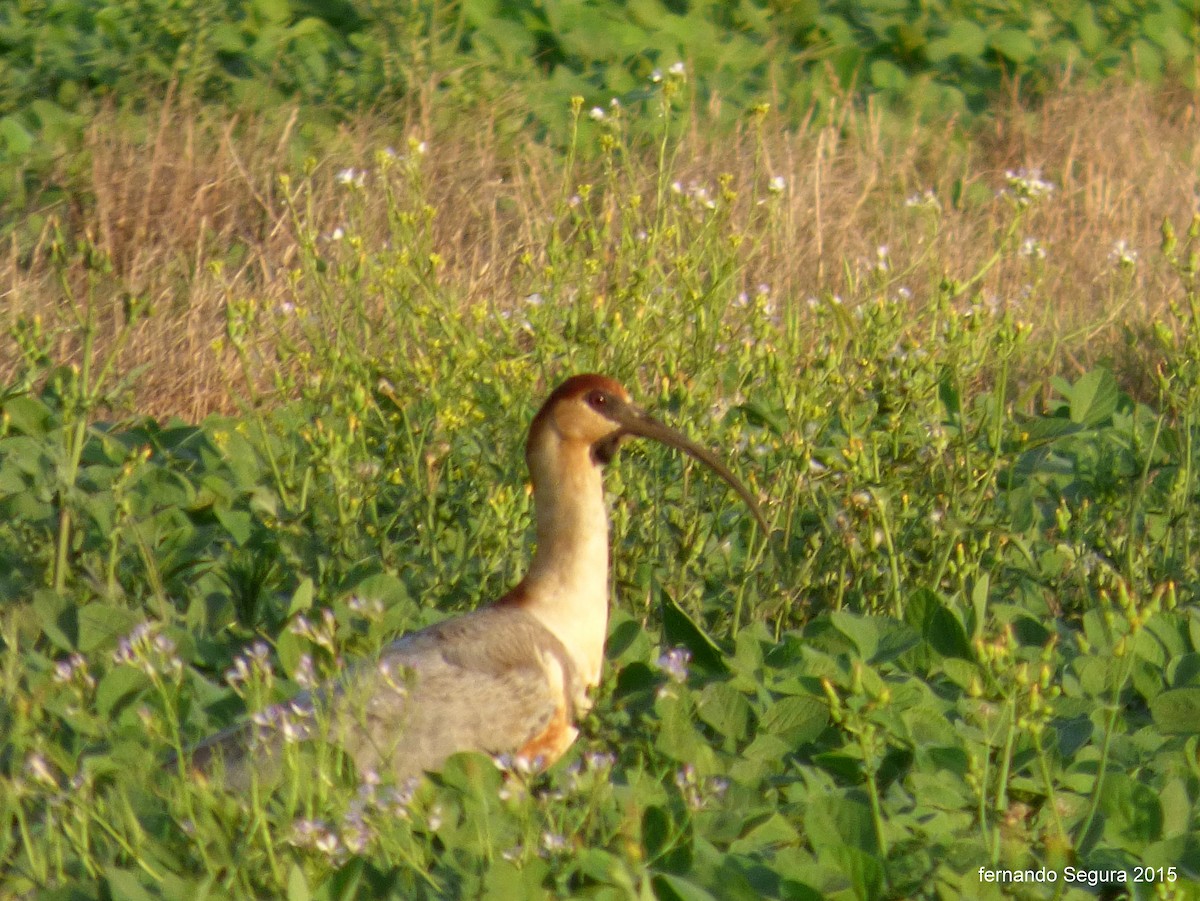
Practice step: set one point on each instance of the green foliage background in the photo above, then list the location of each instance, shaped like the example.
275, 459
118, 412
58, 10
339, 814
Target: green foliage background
60, 58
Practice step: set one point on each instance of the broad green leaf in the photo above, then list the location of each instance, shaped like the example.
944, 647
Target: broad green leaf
238, 523
861, 630
1094, 398
1177, 710
669, 887
302, 597
30, 416
725, 709
680, 630
1092, 38
101, 625
124, 884
1133, 813
297, 887
1013, 44
964, 38
115, 686
15, 137
801, 718
887, 76
836, 820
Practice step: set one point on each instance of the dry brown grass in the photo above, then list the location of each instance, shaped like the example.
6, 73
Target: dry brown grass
192, 215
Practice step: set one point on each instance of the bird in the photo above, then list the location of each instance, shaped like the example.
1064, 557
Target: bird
511, 679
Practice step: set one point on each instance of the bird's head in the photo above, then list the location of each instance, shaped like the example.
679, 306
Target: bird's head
597, 411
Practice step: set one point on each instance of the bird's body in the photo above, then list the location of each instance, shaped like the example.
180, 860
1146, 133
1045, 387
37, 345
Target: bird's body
510, 678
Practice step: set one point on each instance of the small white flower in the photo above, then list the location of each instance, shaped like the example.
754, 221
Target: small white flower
1027, 185
656, 76
306, 674
597, 114
434, 820
1032, 248
777, 184
677, 69
351, 177
553, 842
1122, 255
37, 767
925, 198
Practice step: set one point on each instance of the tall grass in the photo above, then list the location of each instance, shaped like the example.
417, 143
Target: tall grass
193, 214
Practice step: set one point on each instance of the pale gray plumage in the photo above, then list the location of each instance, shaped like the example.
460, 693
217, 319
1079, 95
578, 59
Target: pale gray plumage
473, 682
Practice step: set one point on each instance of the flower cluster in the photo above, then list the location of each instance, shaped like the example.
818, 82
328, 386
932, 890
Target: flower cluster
293, 720
254, 664
699, 791
1027, 186
321, 634
674, 663
73, 671
147, 649
1122, 255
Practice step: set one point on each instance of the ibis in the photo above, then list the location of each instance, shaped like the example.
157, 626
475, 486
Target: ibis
511, 678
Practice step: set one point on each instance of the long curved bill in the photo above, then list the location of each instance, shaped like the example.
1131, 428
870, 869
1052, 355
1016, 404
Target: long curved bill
635, 421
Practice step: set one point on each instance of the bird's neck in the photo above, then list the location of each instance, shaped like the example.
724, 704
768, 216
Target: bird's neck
566, 587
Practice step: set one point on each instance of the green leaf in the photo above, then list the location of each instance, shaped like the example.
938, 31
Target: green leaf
939, 626
1177, 710
1013, 44
887, 76
656, 831
125, 884
835, 820
1133, 813
29, 415
297, 887
725, 709
964, 38
58, 618
1094, 398
680, 630
302, 598
100, 625
669, 887
861, 630
14, 137
1092, 38
237, 523
1164, 30
801, 718
115, 686
774, 418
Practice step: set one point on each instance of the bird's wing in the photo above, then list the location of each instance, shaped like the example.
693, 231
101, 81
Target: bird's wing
495, 680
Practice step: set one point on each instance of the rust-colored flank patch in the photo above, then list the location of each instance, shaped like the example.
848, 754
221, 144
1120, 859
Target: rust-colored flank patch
552, 743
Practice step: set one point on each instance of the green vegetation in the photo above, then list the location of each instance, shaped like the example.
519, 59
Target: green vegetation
61, 60
959, 364
970, 642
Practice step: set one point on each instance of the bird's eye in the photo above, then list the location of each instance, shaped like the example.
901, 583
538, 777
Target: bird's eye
597, 400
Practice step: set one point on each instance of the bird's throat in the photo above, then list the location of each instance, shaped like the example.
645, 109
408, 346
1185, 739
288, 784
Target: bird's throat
566, 587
